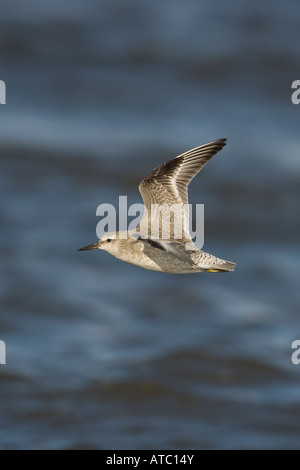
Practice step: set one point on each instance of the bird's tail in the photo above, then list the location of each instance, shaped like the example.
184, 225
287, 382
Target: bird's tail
221, 266
212, 264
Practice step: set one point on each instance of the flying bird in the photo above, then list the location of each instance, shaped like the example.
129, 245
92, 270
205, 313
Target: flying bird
161, 241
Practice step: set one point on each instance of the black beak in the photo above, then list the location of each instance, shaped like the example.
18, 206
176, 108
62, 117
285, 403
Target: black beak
89, 247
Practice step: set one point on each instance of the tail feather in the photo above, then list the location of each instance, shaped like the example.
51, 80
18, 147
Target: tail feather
221, 266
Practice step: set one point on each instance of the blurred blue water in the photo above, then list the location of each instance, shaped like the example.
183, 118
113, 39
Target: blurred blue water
101, 354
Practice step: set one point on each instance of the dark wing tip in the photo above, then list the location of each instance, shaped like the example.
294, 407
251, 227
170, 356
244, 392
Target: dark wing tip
220, 142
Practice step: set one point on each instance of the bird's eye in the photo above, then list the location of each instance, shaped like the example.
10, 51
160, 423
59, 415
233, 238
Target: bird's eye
108, 239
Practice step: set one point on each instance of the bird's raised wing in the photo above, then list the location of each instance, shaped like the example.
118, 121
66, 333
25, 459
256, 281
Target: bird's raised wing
166, 187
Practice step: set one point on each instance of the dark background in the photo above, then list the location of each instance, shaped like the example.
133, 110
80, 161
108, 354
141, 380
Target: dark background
102, 354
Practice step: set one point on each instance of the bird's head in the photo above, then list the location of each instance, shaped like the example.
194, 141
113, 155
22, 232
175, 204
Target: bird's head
109, 242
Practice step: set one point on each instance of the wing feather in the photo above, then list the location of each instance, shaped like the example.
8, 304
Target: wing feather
168, 184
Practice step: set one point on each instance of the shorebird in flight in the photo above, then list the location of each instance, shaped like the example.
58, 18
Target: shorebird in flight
165, 195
